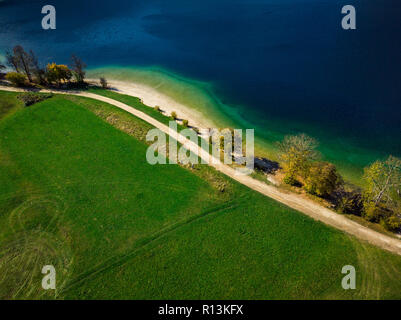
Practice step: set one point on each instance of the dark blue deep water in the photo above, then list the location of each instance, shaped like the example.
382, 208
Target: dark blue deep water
286, 64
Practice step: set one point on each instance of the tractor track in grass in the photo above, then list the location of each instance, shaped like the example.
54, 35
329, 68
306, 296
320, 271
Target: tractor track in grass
118, 260
308, 207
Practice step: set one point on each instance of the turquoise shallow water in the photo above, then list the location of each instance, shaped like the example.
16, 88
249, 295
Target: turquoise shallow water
348, 155
279, 66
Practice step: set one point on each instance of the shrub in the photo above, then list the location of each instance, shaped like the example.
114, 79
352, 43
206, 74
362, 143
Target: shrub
185, 123
289, 179
350, 203
174, 115
392, 223
103, 83
374, 213
30, 98
17, 79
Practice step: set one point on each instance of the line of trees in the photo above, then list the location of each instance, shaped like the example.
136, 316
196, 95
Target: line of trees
380, 199
28, 71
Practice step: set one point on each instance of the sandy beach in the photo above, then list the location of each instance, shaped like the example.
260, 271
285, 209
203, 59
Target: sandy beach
151, 97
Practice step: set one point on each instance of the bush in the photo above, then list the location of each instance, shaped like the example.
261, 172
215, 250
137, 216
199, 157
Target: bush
17, 79
185, 123
157, 108
288, 179
374, 213
174, 115
103, 83
30, 98
392, 223
350, 203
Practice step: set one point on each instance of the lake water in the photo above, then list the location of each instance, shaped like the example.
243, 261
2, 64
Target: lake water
279, 66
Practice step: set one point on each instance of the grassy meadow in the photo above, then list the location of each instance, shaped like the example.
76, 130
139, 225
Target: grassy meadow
76, 192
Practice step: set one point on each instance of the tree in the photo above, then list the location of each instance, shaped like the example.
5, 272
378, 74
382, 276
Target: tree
103, 83
12, 61
174, 115
37, 71
322, 179
78, 67
57, 73
297, 153
383, 180
23, 61
17, 79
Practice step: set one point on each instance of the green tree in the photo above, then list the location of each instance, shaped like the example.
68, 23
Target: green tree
296, 153
174, 115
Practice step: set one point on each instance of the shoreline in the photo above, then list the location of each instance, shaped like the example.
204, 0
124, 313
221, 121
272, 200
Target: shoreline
196, 102
151, 97
308, 207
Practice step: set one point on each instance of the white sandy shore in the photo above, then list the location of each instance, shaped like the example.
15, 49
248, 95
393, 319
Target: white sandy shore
151, 97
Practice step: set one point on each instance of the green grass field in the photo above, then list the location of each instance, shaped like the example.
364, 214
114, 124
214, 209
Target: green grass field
76, 192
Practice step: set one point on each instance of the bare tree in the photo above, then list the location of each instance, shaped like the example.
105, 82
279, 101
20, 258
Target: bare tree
37, 71
103, 83
12, 61
78, 67
23, 60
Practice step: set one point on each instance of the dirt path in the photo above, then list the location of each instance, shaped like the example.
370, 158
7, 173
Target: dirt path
291, 200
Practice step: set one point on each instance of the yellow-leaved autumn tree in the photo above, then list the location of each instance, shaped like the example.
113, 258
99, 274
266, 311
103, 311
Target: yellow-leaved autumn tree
296, 153
58, 73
